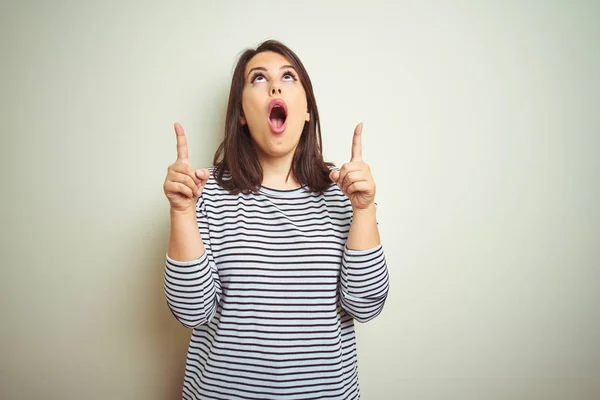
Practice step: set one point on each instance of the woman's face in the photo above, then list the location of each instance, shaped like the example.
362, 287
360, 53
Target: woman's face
274, 105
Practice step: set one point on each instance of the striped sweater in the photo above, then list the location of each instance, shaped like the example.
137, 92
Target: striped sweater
272, 301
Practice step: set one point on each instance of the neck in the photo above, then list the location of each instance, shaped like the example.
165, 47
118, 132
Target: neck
277, 172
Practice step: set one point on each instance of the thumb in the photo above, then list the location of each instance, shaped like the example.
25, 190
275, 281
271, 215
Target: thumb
334, 175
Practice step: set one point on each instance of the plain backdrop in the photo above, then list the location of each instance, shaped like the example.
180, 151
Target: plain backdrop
482, 128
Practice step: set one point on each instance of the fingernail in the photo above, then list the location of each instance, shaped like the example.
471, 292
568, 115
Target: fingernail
199, 192
199, 173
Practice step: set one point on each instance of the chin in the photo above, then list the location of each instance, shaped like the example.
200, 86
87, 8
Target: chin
275, 145
279, 152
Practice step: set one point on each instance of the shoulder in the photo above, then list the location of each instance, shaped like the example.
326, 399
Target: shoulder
212, 185
212, 191
334, 196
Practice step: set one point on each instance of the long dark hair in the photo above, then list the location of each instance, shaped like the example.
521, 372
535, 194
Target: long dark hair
237, 156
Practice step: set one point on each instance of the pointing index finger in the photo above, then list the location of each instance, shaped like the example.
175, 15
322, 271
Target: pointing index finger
182, 149
357, 143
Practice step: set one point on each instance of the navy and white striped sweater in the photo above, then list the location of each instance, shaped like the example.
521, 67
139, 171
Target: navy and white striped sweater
273, 299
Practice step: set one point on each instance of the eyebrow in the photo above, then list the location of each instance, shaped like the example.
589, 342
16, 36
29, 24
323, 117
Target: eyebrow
287, 66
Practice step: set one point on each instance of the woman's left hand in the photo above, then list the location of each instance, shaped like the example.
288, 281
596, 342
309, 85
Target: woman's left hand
354, 177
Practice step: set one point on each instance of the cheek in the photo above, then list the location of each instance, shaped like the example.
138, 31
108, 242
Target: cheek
300, 105
249, 109
250, 101
300, 110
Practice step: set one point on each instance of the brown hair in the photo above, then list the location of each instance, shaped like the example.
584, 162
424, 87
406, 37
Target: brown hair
237, 155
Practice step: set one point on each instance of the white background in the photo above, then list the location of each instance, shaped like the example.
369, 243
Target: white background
482, 129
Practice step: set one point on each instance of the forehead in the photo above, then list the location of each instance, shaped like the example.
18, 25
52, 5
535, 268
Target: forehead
268, 60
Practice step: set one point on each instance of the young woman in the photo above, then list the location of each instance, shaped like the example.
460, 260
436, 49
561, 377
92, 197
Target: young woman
273, 253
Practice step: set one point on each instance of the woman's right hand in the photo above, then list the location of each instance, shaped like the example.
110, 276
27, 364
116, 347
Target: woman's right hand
183, 184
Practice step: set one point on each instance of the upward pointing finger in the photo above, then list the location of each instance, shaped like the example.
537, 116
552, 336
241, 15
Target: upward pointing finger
182, 149
357, 143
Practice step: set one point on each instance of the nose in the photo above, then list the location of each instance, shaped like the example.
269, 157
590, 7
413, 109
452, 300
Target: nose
275, 90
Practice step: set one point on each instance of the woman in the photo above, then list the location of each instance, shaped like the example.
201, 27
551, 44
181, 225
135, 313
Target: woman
273, 253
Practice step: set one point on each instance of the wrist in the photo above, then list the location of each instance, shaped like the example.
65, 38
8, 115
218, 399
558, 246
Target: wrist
183, 214
370, 210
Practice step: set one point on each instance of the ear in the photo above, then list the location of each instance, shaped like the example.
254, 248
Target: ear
243, 120
307, 119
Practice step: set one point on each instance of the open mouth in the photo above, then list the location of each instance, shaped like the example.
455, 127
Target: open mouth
277, 115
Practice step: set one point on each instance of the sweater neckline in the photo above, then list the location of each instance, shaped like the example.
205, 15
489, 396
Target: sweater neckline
271, 192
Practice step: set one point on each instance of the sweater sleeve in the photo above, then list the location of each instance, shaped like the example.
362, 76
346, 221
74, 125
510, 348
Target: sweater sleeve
193, 288
364, 282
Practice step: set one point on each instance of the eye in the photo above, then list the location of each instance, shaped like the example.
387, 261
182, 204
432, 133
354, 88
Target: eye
289, 76
257, 77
